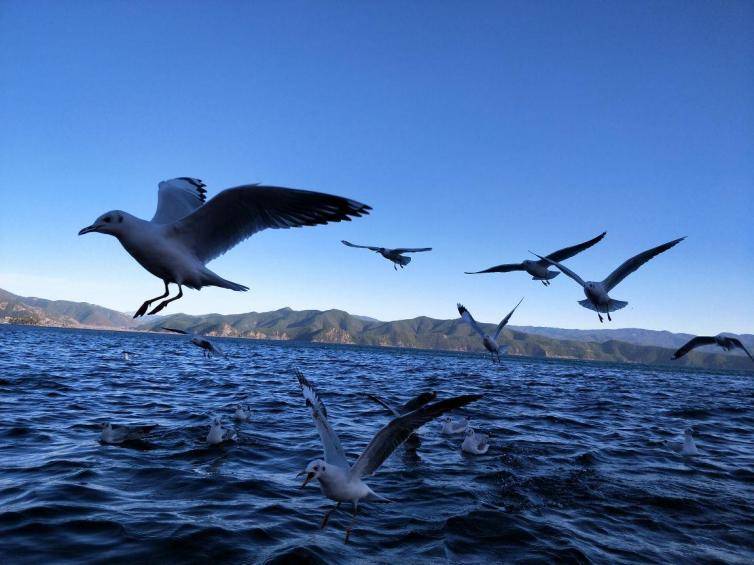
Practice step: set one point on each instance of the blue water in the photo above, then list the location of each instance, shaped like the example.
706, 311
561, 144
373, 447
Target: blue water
579, 469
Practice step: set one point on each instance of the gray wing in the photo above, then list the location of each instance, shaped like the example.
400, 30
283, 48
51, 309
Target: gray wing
384, 404
568, 252
565, 270
177, 198
334, 453
418, 401
693, 343
176, 331
397, 431
469, 319
504, 268
737, 343
238, 213
635, 262
505, 320
349, 244
412, 249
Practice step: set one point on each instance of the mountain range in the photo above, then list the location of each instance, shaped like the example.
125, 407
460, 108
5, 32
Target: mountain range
336, 326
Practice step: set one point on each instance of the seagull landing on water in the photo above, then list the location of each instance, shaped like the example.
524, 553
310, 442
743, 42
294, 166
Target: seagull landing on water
208, 348
596, 292
490, 343
539, 269
186, 232
337, 479
395, 255
727, 343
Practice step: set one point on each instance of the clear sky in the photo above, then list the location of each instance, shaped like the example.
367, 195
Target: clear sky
483, 129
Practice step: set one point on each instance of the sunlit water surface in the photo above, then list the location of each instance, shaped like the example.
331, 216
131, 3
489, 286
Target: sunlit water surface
579, 468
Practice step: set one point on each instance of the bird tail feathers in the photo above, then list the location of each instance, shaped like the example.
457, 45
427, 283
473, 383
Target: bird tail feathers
402, 260
212, 279
612, 306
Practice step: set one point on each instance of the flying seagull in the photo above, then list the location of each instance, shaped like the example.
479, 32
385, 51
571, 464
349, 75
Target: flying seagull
395, 255
539, 269
490, 343
209, 349
187, 232
413, 404
337, 479
596, 292
727, 343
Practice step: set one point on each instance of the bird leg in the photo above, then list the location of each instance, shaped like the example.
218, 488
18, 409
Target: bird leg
164, 303
395, 266
609, 319
142, 310
599, 316
353, 520
327, 515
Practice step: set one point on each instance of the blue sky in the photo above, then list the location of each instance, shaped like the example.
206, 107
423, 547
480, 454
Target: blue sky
481, 129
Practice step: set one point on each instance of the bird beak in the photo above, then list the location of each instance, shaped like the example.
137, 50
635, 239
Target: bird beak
88, 229
308, 478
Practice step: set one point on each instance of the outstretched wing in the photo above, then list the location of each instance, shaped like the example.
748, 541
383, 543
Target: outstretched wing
737, 343
565, 270
238, 213
693, 343
175, 330
504, 321
418, 401
384, 404
635, 262
349, 244
568, 252
397, 431
412, 249
177, 198
469, 319
334, 453
504, 268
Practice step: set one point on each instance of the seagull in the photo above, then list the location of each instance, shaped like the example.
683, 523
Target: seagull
490, 343
394, 255
127, 355
597, 298
209, 349
114, 436
217, 434
451, 427
688, 447
475, 443
727, 343
337, 479
187, 232
242, 413
538, 269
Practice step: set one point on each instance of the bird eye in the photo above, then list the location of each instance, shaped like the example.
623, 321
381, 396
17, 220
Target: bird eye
106, 220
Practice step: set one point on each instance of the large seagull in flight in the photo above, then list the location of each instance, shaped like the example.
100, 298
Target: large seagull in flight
187, 232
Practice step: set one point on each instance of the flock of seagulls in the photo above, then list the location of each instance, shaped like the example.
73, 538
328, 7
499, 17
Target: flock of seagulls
187, 232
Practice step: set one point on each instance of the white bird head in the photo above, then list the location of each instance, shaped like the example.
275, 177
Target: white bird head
106, 426
314, 470
469, 431
112, 223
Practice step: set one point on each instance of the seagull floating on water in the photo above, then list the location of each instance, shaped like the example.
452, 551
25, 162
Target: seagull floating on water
596, 292
475, 443
120, 434
727, 343
453, 427
337, 479
217, 434
490, 343
208, 348
688, 447
187, 232
127, 355
539, 269
395, 255
242, 413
